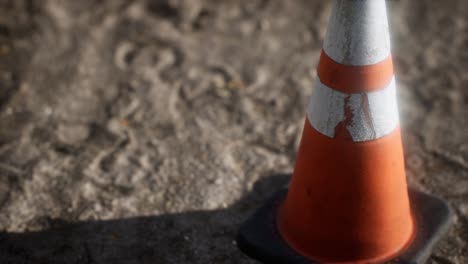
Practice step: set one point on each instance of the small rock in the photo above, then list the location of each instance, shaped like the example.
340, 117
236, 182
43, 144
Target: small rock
73, 133
98, 207
117, 126
464, 209
48, 111
218, 181
247, 28
218, 81
166, 58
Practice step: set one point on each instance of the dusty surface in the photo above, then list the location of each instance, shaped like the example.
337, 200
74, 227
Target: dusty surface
147, 131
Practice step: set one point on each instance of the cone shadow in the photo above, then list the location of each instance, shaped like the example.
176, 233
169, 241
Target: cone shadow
189, 237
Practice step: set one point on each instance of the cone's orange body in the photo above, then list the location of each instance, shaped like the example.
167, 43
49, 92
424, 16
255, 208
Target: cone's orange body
347, 201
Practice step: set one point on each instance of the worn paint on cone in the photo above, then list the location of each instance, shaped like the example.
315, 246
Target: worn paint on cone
348, 201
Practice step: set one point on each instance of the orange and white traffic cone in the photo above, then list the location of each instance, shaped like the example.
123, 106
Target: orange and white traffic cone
348, 201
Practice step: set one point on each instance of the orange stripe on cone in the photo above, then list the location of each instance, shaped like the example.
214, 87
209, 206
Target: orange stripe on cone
347, 201
354, 79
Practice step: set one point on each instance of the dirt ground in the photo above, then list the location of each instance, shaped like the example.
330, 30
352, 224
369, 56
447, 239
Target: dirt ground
148, 131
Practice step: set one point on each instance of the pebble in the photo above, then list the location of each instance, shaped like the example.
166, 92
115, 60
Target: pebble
247, 28
73, 133
464, 209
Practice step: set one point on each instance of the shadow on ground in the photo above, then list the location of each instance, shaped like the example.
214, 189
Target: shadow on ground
191, 237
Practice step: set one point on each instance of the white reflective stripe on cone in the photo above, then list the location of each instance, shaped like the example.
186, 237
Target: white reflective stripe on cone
372, 115
358, 32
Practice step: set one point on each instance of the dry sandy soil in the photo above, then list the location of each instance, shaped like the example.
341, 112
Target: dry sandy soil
147, 131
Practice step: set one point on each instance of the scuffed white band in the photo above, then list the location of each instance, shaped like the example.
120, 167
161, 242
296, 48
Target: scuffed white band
371, 115
358, 32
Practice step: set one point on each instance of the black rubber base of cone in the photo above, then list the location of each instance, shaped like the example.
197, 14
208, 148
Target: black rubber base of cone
259, 238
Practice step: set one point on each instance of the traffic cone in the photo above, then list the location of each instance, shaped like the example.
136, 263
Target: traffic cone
348, 201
